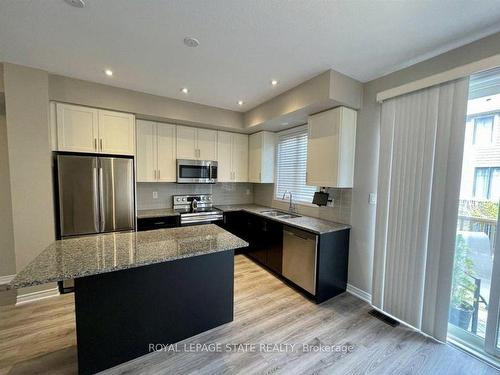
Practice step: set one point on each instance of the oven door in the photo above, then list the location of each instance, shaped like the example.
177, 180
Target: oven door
194, 171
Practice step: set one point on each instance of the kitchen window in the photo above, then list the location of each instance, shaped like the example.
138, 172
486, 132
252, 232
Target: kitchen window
291, 165
483, 130
487, 183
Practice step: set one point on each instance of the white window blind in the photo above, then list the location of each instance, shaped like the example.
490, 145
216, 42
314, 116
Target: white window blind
291, 163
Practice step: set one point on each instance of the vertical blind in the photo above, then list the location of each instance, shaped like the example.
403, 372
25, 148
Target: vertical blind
291, 165
421, 146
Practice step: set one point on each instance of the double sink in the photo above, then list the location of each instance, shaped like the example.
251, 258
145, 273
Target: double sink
279, 214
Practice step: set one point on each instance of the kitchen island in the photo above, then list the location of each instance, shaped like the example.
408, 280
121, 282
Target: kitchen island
137, 289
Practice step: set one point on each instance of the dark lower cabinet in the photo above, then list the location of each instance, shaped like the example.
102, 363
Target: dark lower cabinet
266, 241
265, 237
274, 245
236, 223
151, 223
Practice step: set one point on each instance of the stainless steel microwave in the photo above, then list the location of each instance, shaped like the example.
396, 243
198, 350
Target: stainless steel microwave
196, 171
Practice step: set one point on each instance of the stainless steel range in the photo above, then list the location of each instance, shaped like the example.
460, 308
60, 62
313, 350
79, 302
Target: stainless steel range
196, 209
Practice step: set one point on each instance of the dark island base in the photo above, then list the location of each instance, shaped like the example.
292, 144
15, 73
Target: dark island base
119, 314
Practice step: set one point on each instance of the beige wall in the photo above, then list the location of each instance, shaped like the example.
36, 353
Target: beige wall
1, 78
7, 255
326, 90
367, 147
70, 90
27, 105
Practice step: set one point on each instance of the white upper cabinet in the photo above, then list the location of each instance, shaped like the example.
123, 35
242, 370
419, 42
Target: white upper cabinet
207, 144
83, 129
224, 166
156, 155
331, 148
195, 143
186, 143
240, 157
232, 157
167, 167
77, 128
116, 133
261, 153
146, 153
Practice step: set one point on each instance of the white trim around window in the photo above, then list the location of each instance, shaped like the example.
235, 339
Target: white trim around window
291, 166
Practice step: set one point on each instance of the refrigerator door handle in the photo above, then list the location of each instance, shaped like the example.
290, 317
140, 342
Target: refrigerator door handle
101, 200
96, 197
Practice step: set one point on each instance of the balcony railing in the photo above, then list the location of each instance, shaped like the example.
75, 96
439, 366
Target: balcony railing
472, 223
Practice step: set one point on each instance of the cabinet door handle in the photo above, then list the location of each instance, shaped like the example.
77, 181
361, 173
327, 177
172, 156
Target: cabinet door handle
154, 173
95, 144
260, 176
100, 144
158, 174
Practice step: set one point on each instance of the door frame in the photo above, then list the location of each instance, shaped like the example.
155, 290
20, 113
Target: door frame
492, 334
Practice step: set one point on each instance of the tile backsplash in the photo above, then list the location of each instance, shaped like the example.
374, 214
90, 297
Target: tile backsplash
242, 193
222, 193
340, 212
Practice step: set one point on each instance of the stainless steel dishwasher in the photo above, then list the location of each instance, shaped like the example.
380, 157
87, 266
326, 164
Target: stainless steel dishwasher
299, 258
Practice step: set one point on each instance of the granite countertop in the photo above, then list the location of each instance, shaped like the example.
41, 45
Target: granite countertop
312, 224
159, 212
102, 253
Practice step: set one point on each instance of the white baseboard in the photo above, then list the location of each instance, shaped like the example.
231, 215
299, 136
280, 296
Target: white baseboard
6, 279
361, 294
36, 296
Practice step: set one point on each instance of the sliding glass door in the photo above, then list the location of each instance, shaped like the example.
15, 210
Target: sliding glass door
474, 307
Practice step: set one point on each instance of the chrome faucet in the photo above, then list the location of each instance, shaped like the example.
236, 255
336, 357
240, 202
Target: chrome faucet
292, 207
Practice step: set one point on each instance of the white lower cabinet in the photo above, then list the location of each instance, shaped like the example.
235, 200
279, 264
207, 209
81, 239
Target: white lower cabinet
156, 154
232, 149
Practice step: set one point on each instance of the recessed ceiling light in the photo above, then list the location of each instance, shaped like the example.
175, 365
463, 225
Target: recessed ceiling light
108, 72
274, 82
191, 42
285, 123
185, 90
76, 3
240, 102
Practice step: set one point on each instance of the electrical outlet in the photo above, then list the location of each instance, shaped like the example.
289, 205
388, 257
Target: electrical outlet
155, 195
372, 198
331, 203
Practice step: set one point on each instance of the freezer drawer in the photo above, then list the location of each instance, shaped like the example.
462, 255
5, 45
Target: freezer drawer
299, 258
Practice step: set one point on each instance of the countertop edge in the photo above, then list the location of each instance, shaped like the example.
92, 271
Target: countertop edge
285, 222
13, 286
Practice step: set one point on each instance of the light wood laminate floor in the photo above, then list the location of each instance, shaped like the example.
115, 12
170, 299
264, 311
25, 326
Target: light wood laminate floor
40, 338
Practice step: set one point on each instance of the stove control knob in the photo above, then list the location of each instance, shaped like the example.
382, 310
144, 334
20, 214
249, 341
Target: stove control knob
184, 199
178, 199
209, 198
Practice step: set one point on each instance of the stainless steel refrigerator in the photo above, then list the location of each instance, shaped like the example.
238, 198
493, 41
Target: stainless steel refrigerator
96, 194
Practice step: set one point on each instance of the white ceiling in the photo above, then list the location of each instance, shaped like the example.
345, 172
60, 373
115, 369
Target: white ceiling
244, 43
